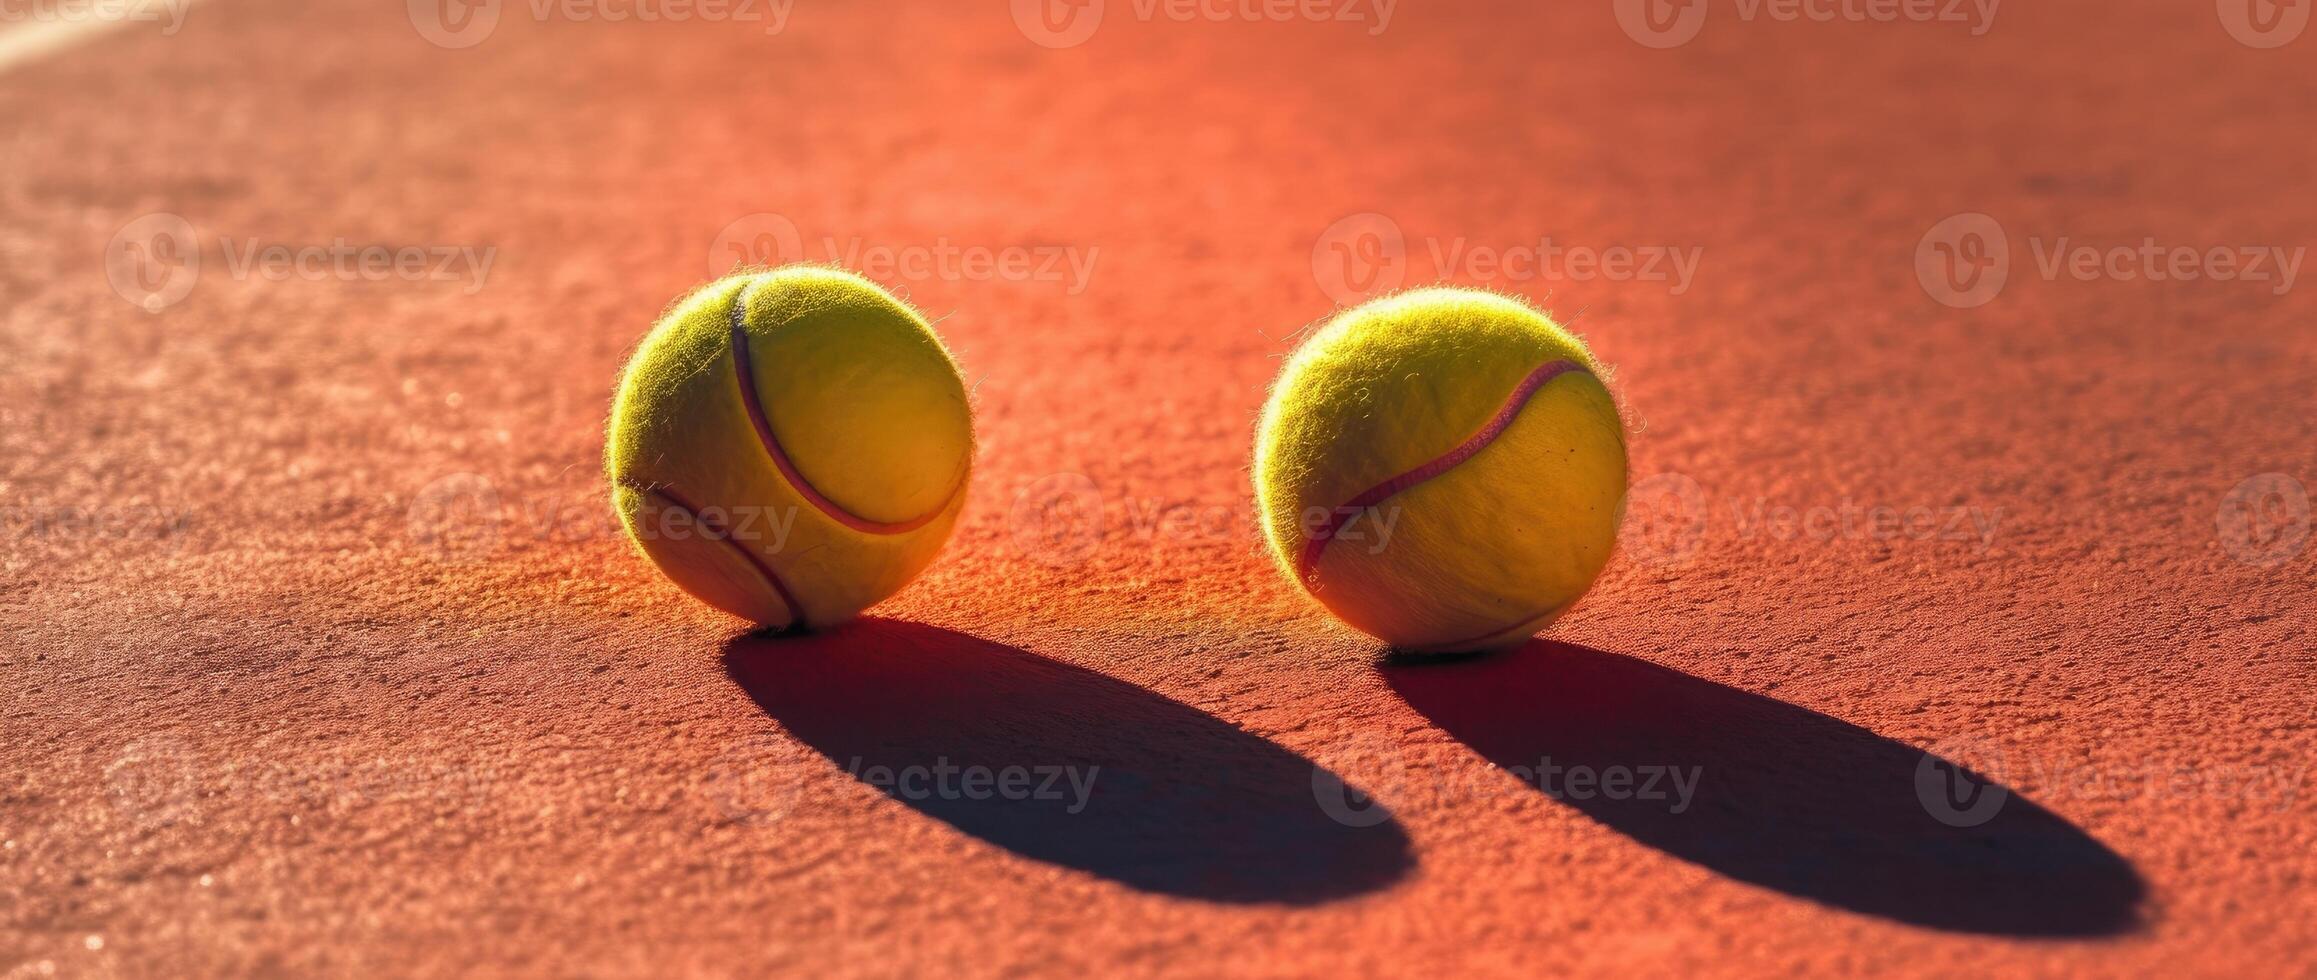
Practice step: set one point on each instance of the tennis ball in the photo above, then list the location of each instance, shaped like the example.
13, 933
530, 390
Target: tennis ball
1442, 469
790, 446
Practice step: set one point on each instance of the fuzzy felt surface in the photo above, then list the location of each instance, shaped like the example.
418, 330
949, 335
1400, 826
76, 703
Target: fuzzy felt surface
1441, 468
790, 446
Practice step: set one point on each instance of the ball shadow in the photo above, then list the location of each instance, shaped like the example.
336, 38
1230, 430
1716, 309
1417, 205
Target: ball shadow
1174, 800
1782, 797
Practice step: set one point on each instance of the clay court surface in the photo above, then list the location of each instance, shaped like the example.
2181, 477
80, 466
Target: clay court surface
324, 656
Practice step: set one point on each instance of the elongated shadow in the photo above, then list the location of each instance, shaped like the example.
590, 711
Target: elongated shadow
1065, 765
1778, 796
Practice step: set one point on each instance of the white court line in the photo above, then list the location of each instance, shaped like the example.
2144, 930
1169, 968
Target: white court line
36, 29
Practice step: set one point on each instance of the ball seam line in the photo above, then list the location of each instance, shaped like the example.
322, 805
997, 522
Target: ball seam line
1498, 632
669, 497
1307, 563
744, 371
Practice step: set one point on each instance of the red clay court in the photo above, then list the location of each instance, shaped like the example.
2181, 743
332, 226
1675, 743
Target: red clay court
1961, 621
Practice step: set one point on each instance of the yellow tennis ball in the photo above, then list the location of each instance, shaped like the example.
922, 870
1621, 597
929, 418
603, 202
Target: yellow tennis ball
791, 446
1442, 469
